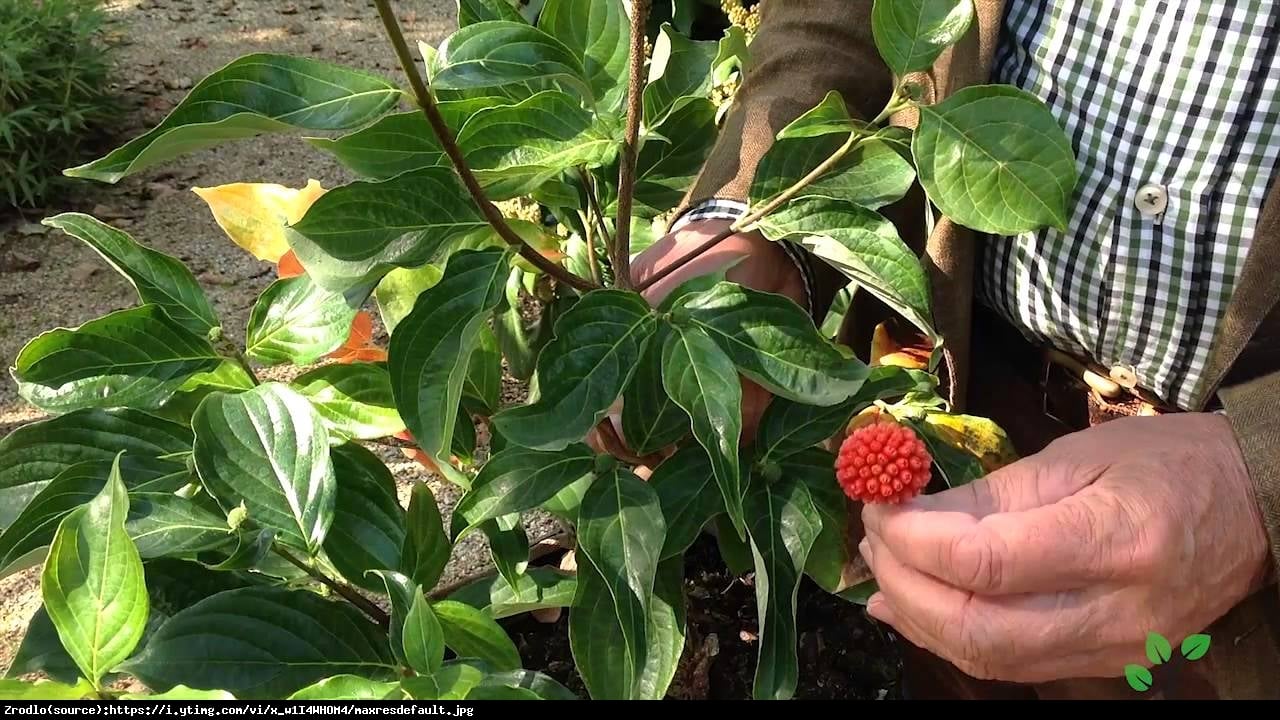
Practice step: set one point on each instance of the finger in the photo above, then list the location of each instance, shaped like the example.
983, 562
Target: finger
1031, 482
1063, 546
985, 637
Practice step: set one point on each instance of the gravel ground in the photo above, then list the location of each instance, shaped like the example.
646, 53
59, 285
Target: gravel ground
50, 280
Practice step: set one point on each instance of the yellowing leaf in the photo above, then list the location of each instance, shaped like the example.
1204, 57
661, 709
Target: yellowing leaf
977, 436
254, 215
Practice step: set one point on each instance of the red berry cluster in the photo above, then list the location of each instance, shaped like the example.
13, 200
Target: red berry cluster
883, 462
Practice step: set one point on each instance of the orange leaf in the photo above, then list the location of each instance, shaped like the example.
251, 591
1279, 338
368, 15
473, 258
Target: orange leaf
289, 266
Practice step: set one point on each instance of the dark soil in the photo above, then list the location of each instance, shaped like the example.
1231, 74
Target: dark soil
844, 654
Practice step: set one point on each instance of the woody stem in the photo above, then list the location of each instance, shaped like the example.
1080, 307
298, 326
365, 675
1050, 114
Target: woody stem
621, 247
450, 146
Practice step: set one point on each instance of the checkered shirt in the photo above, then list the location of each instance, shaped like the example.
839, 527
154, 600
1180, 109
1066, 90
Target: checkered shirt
1173, 108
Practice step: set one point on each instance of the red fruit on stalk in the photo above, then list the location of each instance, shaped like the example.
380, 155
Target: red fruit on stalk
883, 462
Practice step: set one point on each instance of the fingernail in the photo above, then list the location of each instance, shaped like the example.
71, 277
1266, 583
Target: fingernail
864, 549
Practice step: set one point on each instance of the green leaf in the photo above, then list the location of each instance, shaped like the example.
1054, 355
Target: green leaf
452, 681
471, 12
666, 633
537, 588
500, 53
518, 479
163, 524
508, 546
774, 342
42, 652
297, 321
347, 687
482, 391
431, 350
679, 71
354, 400
620, 536
701, 378
1195, 647
830, 557
46, 690
261, 643
250, 552
355, 234
268, 449
255, 94
863, 246
33, 454
1158, 649
1139, 677
401, 142
23, 543
689, 497
666, 167
598, 639
470, 633
158, 278
994, 159
582, 371
598, 33
501, 692
829, 117
911, 34
423, 637
956, 466
399, 290
541, 685
872, 174
734, 551
787, 428
651, 420
515, 149
181, 692
92, 584
784, 524
368, 527
426, 548
137, 357
403, 593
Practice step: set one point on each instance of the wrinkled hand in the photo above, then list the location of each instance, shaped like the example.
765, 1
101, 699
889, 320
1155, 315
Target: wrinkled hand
753, 262
1059, 565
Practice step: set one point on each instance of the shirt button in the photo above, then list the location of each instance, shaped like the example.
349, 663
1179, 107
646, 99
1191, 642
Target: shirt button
1151, 200
1125, 376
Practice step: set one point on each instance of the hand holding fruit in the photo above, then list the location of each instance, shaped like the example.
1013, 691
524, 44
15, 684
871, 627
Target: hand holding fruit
1060, 564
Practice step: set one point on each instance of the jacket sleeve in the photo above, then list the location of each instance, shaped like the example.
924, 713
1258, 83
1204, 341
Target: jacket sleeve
803, 50
1253, 408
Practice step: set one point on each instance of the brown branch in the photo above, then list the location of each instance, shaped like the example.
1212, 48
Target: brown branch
350, 595
621, 247
441, 129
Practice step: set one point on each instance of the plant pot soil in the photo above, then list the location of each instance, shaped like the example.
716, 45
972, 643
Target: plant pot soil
843, 654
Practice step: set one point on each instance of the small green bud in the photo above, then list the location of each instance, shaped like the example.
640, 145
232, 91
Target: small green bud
237, 516
605, 464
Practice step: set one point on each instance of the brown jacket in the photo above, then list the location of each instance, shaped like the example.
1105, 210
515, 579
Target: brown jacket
806, 48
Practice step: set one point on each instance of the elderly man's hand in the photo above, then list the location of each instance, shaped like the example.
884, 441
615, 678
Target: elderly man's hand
1059, 565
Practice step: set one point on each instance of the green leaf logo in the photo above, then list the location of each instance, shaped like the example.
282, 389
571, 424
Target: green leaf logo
1195, 646
1158, 649
1139, 677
